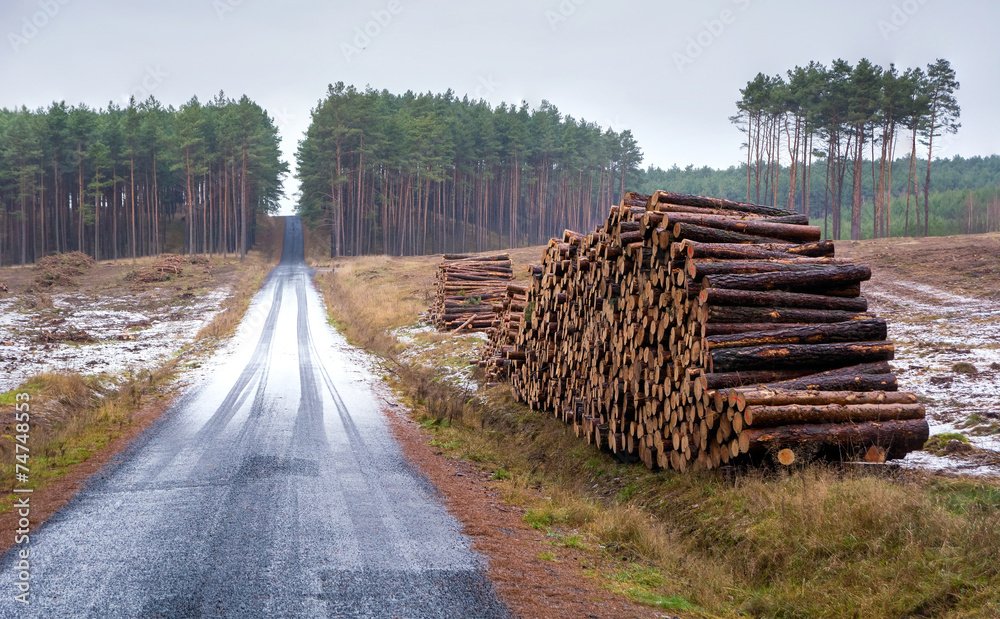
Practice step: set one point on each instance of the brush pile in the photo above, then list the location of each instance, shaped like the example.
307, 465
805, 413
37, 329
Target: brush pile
693, 331
77, 336
467, 286
166, 267
62, 269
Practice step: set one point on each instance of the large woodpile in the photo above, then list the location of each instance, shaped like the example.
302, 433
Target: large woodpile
692, 331
467, 285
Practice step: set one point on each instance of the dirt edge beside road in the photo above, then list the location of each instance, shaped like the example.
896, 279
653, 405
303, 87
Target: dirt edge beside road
529, 585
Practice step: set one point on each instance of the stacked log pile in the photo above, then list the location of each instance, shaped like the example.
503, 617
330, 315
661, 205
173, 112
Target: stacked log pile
693, 331
500, 354
467, 286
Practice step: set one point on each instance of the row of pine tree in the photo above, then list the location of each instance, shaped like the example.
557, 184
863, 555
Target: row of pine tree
113, 182
422, 173
846, 116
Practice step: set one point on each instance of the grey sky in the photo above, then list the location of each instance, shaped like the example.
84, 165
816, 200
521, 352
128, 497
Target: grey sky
670, 71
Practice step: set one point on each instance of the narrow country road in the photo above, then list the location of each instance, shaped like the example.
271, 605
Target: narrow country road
273, 489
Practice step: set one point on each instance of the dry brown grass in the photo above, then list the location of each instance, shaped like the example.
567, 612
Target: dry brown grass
71, 417
811, 541
368, 297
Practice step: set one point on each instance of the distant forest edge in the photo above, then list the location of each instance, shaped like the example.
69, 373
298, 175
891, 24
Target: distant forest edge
965, 195
424, 173
840, 115
431, 173
134, 181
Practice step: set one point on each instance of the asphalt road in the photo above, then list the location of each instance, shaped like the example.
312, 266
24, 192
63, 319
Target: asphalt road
272, 489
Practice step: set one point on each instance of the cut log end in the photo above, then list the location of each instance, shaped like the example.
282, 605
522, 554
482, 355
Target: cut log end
786, 456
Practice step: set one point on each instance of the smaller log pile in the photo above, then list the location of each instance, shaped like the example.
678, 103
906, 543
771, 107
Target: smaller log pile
467, 286
3, 287
499, 354
690, 331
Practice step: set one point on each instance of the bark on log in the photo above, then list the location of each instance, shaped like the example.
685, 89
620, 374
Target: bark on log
767, 397
724, 380
795, 356
832, 276
699, 268
733, 328
753, 298
766, 251
779, 231
737, 314
704, 234
718, 203
789, 414
868, 330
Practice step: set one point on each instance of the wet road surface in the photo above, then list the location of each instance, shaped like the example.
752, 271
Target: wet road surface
272, 489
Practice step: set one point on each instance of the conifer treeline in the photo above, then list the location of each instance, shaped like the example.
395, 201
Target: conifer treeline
109, 182
845, 115
964, 196
422, 173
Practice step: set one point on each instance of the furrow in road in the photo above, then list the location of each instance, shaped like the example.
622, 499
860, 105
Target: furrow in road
274, 489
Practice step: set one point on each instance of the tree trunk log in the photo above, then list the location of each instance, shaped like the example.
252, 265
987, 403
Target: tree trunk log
898, 438
753, 298
795, 356
868, 330
833, 276
780, 232
699, 268
704, 234
720, 204
738, 314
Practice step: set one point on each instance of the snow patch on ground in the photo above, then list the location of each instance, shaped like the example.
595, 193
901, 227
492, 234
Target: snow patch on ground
427, 347
935, 330
136, 330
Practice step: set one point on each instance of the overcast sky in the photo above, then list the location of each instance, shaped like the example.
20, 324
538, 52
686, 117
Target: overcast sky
669, 71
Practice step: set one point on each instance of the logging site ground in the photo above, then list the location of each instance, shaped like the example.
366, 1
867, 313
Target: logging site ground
437, 471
